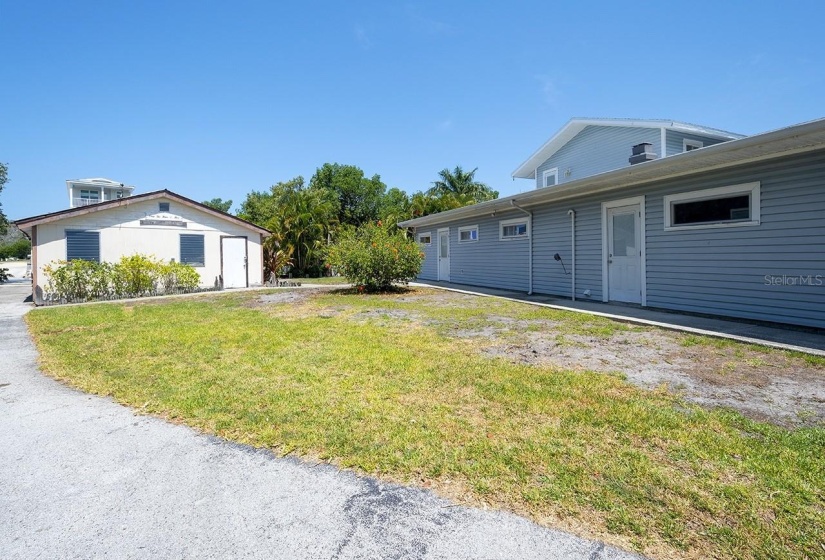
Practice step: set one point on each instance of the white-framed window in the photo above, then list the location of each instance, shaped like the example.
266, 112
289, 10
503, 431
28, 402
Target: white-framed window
467, 234
517, 228
425, 238
89, 195
735, 205
550, 177
690, 145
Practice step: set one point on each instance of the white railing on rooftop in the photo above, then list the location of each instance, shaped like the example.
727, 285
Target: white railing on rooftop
77, 202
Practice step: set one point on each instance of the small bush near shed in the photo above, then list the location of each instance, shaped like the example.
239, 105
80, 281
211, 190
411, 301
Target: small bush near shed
373, 258
132, 276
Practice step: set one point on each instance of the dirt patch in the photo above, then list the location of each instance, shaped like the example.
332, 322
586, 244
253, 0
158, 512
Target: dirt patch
291, 296
763, 385
439, 298
385, 315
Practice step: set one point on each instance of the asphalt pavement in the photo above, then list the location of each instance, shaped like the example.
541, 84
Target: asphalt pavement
84, 477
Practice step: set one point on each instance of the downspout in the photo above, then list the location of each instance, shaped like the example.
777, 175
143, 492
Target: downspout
572, 214
530, 249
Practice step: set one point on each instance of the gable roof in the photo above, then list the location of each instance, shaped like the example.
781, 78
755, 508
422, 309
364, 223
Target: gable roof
26, 223
527, 170
797, 139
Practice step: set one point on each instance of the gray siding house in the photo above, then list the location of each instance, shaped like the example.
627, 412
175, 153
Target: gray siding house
702, 221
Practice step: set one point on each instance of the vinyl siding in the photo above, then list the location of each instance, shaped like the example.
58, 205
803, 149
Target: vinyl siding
597, 149
489, 261
553, 235
722, 271
714, 271
675, 141
429, 270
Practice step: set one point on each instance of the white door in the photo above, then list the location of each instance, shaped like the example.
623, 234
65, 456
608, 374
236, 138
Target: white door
444, 254
234, 262
624, 257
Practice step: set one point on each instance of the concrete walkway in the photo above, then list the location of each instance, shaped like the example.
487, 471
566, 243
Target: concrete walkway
84, 477
811, 341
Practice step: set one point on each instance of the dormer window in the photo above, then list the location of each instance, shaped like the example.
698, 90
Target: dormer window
163, 206
690, 145
550, 177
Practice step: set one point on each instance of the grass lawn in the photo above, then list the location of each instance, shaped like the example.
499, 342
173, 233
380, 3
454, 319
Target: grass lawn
383, 385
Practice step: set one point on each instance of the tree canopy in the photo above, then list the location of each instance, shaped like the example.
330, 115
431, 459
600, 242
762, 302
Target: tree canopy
218, 204
304, 219
300, 219
358, 198
462, 186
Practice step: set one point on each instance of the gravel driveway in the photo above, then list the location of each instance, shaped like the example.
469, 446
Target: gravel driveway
83, 477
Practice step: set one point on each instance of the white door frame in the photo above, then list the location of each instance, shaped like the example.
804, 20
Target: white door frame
438, 234
640, 200
246, 255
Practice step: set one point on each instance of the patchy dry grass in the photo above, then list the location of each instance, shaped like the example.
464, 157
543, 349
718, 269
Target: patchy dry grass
399, 386
326, 280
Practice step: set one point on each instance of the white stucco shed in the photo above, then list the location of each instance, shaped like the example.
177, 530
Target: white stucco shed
162, 224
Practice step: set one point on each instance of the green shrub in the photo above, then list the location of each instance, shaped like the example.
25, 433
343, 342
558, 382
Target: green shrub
78, 280
18, 249
374, 258
178, 276
132, 276
136, 275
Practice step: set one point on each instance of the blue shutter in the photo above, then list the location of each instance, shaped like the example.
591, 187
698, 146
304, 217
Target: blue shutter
82, 245
191, 249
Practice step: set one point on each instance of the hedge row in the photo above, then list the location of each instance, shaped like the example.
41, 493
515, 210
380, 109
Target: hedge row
134, 276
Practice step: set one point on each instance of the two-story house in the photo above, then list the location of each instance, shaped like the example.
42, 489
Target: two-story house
83, 192
654, 213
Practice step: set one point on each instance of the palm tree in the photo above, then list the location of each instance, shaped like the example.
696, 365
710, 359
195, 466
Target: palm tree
462, 185
302, 221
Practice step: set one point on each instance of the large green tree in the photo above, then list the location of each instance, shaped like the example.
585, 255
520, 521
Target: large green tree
301, 220
4, 177
358, 198
218, 204
461, 185
395, 207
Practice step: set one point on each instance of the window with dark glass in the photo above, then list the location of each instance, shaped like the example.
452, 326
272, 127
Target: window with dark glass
712, 210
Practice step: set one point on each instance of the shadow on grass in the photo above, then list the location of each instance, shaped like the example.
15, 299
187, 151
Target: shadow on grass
361, 290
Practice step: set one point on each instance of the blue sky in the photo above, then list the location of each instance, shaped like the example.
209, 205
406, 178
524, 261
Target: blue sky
215, 99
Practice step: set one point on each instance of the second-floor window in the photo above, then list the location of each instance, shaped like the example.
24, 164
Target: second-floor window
550, 177
90, 195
